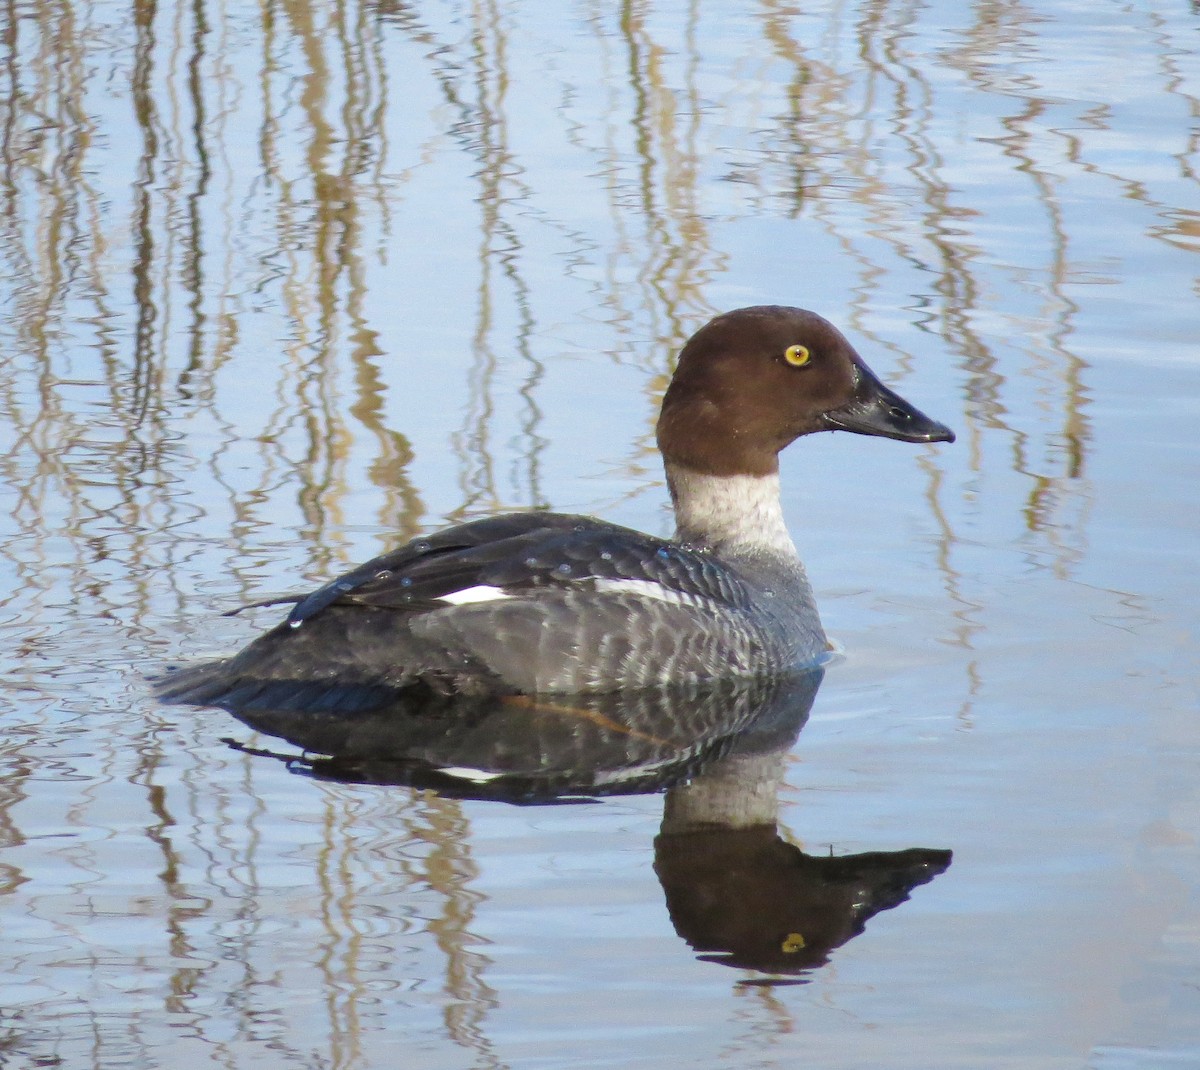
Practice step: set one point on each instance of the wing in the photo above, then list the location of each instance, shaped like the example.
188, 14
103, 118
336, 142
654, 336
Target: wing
514, 555
528, 602
390, 569
551, 603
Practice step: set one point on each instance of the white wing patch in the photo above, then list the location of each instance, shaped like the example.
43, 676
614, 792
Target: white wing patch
469, 595
475, 776
645, 589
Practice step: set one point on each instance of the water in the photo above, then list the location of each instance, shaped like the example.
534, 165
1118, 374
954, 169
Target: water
283, 286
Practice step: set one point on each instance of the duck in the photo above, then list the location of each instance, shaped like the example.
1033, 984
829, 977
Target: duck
546, 603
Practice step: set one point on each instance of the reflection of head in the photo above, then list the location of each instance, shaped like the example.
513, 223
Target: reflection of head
746, 898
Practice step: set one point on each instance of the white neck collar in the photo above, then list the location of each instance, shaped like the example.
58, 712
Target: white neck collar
731, 513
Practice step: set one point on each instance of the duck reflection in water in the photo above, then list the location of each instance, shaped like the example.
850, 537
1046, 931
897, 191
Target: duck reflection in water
741, 894
737, 892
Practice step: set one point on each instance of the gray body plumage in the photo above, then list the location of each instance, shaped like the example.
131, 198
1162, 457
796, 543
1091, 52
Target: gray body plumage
528, 603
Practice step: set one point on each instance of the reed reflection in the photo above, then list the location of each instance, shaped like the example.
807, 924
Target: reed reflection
132, 271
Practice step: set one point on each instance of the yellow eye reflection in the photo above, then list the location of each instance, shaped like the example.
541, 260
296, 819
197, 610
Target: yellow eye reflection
792, 943
797, 356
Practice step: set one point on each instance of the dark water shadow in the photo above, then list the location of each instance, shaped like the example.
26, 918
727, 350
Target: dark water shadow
738, 893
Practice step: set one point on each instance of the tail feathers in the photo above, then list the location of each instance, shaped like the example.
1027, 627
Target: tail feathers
195, 685
215, 683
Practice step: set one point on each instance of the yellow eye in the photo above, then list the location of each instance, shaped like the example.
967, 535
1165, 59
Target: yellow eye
797, 356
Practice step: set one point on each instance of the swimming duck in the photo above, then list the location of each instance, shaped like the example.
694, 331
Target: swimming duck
540, 602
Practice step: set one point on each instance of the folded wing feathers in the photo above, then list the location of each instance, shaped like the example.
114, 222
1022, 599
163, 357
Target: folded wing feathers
514, 554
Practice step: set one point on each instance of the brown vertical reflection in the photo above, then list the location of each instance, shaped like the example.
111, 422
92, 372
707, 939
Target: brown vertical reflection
882, 33
364, 115
232, 838
673, 252
501, 190
193, 268
450, 870
338, 958
14, 772
54, 241
144, 282
660, 257
794, 122
316, 405
1059, 498
182, 906
47, 208
321, 273
475, 87
1048, 509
